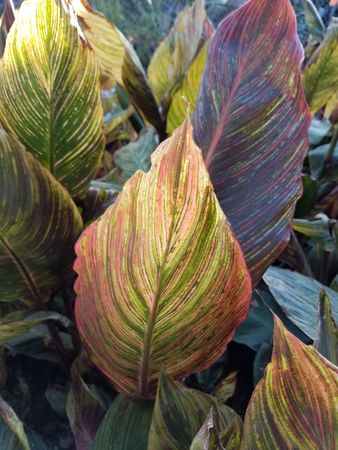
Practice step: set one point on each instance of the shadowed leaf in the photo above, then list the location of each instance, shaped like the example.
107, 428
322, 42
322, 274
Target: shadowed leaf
39, 224
251, 122
327, 335
295, 405
144, 261
12, 434
179, 414
49, 93
7, 21
297, 295
126, 425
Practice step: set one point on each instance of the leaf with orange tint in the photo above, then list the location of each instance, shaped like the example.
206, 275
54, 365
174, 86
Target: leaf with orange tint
162, 281
295, 406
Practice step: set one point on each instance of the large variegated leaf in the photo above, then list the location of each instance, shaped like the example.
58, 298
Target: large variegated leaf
162, 281
251, 122
295, 405
176, 52
118, 60
49, 93
179, 413
12, 434
187, 92
320, 77
39, 224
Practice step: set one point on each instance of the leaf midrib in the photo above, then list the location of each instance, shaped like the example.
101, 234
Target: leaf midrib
147, 343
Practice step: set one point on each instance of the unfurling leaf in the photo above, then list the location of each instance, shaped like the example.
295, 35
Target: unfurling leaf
295, 405
327, 335
179, 413
39, 224
187, 92
49, 93
162, 281
251, 122
176, 52
12, 434
85, 413
118, 60
320, 77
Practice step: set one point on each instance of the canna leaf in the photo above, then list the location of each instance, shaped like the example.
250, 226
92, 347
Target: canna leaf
314, 22
125, 426
49, 93
179, 413
38, 227
187, 92
12, 434
84, 412
320, 77
7, 21
144, 262
176, 52
295, 405
132, 157
226, 388
17, 324
251, 122
297, 295
327, 335
118, 60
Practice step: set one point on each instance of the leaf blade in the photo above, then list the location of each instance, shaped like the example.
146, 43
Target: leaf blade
251, 123
38, 227
49, 93
162, 263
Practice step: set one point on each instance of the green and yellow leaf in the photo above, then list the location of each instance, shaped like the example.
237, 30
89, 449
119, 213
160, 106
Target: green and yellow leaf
49, 93
295, 406
39, 224
118, 60
320, 76
176, 52
179, 414
187, 92
168, 277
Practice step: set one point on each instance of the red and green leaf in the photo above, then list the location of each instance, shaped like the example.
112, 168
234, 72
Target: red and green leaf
251, 122
162, 282
295, 405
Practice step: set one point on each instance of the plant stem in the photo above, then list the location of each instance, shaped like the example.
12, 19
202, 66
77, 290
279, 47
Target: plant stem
306, 266
330, 152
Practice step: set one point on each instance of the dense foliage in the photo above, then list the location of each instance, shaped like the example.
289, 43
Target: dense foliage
168, 237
